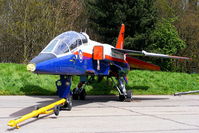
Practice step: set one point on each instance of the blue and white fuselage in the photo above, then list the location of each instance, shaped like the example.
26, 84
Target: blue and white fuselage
71, 53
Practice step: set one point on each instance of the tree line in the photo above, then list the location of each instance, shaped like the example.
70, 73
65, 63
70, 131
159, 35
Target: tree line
163, 26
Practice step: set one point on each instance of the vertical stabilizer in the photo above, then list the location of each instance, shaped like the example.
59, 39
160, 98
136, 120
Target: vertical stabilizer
120, 40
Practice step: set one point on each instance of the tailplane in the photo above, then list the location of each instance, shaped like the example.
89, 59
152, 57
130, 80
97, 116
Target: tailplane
120, 40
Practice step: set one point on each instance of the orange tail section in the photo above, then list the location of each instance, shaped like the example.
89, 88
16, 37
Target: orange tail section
120, 40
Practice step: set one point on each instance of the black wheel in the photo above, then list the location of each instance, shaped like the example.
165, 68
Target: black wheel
36, 108
129, 94
82, 95
75, 94
68, 105
75, 97
56, 110
122, 97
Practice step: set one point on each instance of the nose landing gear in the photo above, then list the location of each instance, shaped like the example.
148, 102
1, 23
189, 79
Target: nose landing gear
63, 91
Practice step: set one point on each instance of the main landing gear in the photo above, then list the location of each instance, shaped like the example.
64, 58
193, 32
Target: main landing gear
64, 85
79, 93
124, 95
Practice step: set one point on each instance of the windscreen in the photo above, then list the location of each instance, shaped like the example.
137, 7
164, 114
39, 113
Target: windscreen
50, 46
65, 42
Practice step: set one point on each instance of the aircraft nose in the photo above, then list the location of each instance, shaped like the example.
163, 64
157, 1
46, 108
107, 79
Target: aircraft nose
31, 67
42, 57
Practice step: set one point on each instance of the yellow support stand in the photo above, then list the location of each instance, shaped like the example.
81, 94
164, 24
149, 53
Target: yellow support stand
44, 110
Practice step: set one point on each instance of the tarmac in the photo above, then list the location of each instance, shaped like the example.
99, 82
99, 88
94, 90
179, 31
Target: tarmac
105, 114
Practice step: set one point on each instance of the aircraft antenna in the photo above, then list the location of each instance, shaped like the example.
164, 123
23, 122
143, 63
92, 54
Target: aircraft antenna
85, 30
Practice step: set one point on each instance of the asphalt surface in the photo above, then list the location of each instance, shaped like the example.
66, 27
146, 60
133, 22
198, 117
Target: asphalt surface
105, 114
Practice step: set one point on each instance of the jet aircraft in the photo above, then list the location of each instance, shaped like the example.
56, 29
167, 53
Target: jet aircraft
73, 53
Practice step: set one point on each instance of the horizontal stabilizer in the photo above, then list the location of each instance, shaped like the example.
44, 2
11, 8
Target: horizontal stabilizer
135, 63
144, 53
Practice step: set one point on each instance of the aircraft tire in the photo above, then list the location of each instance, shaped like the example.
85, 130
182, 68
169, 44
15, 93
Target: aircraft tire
82, 95
56, 110
69, 104
75, 95
129, 94
121, 98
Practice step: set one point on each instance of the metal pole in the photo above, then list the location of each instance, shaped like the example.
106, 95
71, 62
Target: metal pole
184, 93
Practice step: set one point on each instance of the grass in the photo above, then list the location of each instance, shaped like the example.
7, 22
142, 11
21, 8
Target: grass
153, 82
15, 80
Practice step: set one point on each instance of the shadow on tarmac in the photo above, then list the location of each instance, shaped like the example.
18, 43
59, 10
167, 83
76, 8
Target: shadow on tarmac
89, 99
35, 90
26, 110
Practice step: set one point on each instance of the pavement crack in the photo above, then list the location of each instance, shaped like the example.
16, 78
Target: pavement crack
158, 117
158, 131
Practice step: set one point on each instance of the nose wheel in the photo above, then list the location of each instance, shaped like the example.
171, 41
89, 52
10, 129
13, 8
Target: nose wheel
67, 105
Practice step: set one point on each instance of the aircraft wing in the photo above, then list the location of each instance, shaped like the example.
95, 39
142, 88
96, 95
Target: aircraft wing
144, 53
136, 63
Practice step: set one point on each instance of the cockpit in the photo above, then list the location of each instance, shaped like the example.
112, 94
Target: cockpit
65, 42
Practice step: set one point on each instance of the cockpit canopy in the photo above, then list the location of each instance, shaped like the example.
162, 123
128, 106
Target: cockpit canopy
65, 42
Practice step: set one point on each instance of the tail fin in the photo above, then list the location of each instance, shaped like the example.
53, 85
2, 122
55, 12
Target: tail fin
120, 40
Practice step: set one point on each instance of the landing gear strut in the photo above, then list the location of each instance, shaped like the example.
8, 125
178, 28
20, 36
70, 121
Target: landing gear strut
79, 92
124, 95
63, 91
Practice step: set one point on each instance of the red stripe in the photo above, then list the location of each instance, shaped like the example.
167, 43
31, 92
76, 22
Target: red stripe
87, 55
76, 53
106, 57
